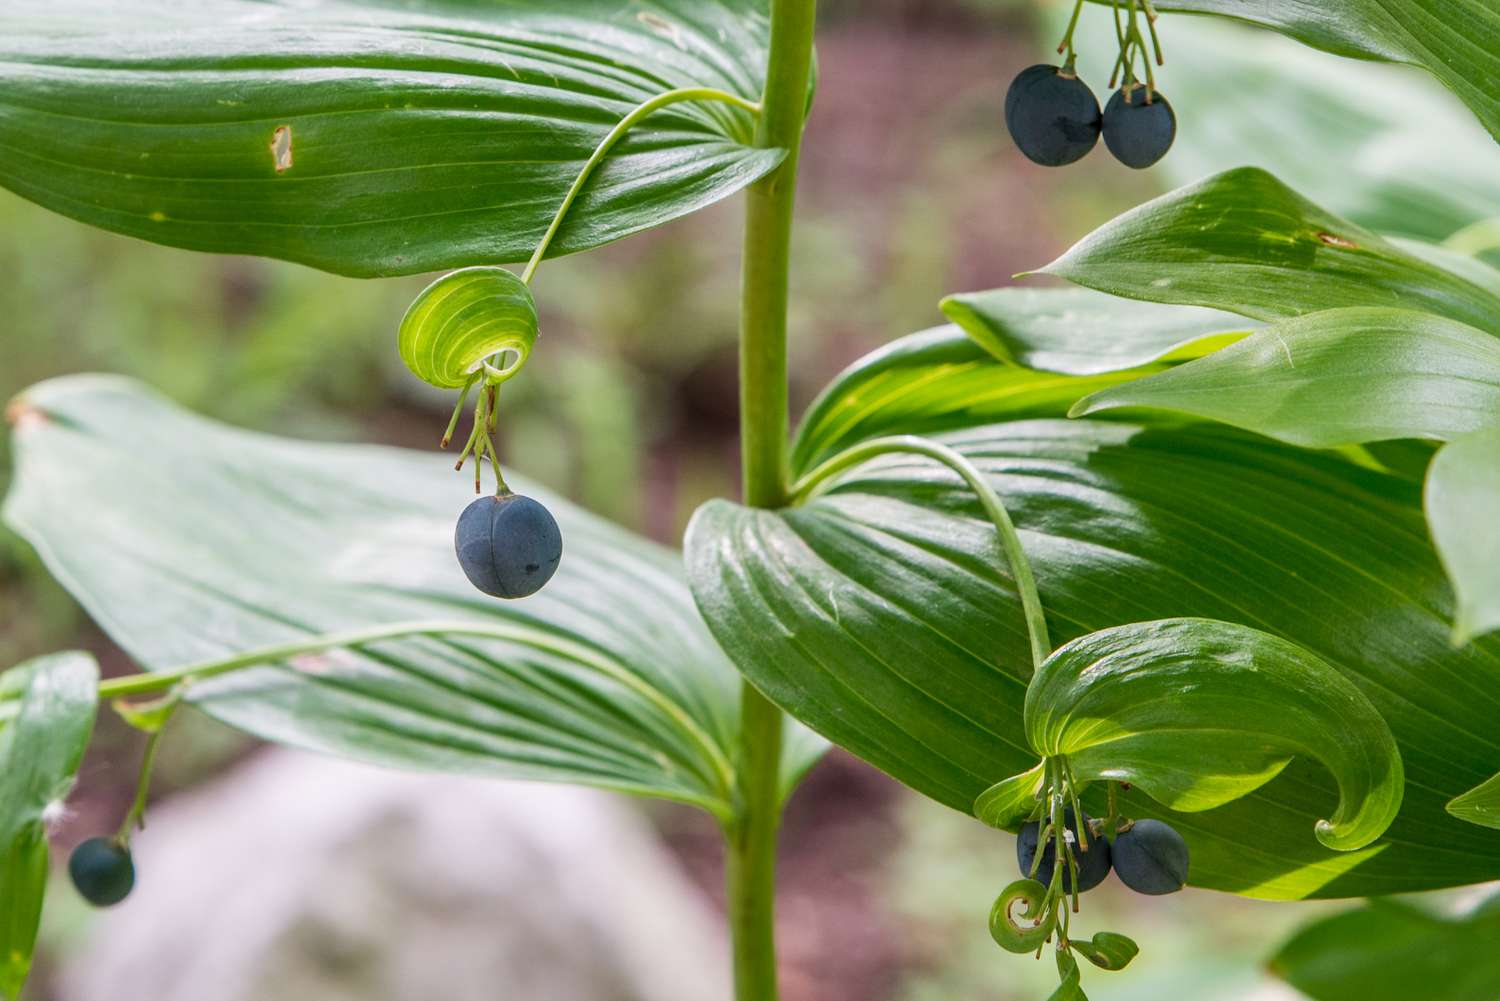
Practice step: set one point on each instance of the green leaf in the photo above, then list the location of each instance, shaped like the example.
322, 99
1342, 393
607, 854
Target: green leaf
370, 138
41, 744
1337, 377
881, 614
463, 318
189, 541
1107, 950
1071, 988
1457, 41
1392, 951
1244, 242
1081, 332
1008, 803
1198, 712
1462, 496
1480, 805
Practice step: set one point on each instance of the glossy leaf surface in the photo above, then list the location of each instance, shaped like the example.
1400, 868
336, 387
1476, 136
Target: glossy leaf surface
42, 738
1335, 377
215, 541
369, 138
463, 318
1198, 713
1463, 500
1480, 805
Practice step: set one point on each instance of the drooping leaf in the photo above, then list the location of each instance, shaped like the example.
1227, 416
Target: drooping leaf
213, 541
1082, 332
463, 318
42, 740
1198, 712
1480, 805
1457, 41
1008, 803
880, 613
1107, 950
1462, 498
1392, 951
1337, 377
1242, 241
1071, 987
370, 138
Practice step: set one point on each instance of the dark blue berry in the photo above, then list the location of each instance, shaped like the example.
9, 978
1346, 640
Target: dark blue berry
102, 870
508, 545
1053, 117
1093, 864
1138, 133
1151, 858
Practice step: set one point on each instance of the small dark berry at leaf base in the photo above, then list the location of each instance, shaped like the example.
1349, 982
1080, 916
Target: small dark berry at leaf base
509, 546
1137, 133
102, 870
1093, 864
1151, 858
1054, 118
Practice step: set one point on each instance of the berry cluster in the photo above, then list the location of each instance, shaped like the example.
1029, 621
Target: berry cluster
1149, 856
1054, 117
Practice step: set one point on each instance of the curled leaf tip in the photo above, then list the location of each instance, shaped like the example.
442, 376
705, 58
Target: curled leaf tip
1004, 929
464, 319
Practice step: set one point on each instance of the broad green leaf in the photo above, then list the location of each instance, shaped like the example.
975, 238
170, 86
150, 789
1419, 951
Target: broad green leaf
1457, 41
463, 318
41, 743
1198, 712
370, 138
1480, 805
1244, 242
189, 541
1463, 496
1081, 332
1392, 951
1338, 377
880, 613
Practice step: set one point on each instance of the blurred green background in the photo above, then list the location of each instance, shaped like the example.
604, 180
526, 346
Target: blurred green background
911, 189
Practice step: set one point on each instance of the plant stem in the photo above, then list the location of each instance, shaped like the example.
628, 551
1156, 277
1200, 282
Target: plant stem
750, 865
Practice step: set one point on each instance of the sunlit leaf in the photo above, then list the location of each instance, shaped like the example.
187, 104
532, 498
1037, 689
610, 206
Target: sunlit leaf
1337, 377
41, 743
463, 318
1463, 498
1198, 712
1480, 805
1008, 803
372, 138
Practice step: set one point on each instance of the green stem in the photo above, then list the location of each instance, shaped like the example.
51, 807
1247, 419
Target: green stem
750, 867
1010, 540
615, 135
135, 818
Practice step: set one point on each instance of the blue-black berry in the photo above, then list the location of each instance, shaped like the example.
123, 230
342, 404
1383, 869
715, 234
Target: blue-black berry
1093, 864
102, 870
1138, 133
1151, 858
508, 545
1053, 116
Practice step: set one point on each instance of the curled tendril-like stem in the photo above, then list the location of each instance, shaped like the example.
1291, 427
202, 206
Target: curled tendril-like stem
1016, 937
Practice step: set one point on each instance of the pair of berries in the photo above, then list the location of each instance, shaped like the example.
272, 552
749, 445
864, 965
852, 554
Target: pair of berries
1148, 856
1055, 120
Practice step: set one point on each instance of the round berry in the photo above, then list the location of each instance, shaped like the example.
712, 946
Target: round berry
1139, 133
1053, 116
508, 545
1151, 858
102, 870
1093, 863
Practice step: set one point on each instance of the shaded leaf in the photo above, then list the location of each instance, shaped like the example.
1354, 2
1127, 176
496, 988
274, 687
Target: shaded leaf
369, 138
1463, 494
214, 541
1198, 712
1337, 377
1107, 950
1480, 805
42, 740
1243, 241
1008, 803
463, 318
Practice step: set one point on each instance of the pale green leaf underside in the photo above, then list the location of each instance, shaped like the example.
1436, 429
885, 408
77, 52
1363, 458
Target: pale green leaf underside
881, 615
41, 744
1198, 712
1480, 805
1463, 505
1244, 242
370, 138
188, 541
1458, 41
463, 318
1336, 377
